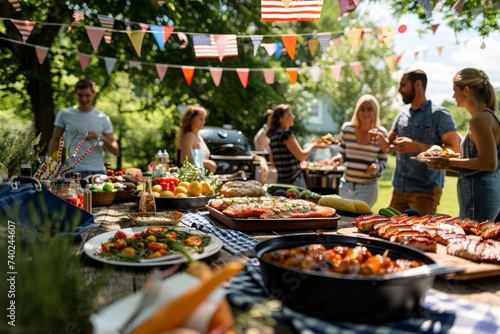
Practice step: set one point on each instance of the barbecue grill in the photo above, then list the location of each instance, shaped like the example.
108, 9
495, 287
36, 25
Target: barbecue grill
230, 150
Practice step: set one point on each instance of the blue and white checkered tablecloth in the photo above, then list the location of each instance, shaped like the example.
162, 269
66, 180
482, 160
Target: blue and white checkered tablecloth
233, 241
440, 313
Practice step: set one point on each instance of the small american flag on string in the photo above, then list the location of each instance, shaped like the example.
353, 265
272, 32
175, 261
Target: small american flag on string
215, 46
287, 10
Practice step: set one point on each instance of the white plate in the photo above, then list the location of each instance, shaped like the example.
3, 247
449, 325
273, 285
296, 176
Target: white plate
426, 159
93, 247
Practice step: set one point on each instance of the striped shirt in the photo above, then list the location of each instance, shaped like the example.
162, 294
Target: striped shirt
357, 157
286, 164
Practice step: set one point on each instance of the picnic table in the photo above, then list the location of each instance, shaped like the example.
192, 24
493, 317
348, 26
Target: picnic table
476, 302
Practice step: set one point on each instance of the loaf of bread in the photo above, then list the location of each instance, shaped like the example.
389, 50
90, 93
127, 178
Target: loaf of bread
250, 188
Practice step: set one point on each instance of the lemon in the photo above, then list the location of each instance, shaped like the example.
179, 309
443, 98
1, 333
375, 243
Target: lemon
180, 190
183, 184
206, 189
181, 195
157, 188
156, 194
167, 194
194, 188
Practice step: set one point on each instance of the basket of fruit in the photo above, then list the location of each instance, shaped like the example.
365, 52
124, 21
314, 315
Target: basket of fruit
103, 194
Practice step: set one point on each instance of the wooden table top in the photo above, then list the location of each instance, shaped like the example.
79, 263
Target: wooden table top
127, 280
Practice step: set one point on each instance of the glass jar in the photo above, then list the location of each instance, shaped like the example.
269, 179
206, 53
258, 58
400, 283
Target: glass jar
66, 191
147, 201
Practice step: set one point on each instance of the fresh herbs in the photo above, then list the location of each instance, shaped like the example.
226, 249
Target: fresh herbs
189, 173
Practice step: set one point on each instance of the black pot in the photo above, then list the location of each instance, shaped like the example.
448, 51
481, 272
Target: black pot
346, 297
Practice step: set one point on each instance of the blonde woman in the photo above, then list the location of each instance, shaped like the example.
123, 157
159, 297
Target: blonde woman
363, 151
190, 143
479, 166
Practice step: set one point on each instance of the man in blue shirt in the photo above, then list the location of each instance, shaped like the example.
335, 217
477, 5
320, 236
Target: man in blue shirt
414, 131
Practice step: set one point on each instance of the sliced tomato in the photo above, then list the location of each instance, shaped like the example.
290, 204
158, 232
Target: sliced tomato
194, 240
171, 235
156, 246
154, 230
138, 235
121, 235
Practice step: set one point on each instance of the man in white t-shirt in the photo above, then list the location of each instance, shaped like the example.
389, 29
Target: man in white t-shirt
81, 117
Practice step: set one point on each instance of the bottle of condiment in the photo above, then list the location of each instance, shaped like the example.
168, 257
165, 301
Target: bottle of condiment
158, 166
79, 189
87, 198
147, 201
66, 191
26, 167
166, 161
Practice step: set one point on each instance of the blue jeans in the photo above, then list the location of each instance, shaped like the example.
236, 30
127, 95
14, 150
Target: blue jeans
367, 192
479, 196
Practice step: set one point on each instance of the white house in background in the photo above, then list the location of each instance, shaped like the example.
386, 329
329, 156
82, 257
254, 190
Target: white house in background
320, 121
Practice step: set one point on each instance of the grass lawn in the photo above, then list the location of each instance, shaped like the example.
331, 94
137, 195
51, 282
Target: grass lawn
449, 200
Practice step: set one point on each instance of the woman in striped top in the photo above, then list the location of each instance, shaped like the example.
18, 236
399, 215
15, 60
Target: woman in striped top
363, 151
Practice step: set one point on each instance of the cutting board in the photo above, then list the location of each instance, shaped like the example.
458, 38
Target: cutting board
472, 269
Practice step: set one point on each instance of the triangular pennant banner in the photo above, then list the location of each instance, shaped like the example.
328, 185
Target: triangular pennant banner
25, 28
77, 16
135, 64
95, 36
434, 27
336, 41
336, 69
136, 38
161, 2
108, 23
269, 75
270, 48
356, 68
144, 26
256, 40
377, 32
278, 50
84, 61
161, 34
216, 74
313, 46
427, 6
243, 75
110, 64
324, 41
398, 58
292, 74
188, 73
206, 46
314, 72
391, 63
387, 32
161, 69
16, 5
220, 43
457, 7
41, 53
346, 7
438, 5
440, 49
290, 42
354, 36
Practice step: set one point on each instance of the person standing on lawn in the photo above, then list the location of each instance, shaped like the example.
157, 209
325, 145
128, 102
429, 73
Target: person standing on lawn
414, 131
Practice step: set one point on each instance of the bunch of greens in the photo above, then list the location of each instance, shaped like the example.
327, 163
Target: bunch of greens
189, 173
23, 146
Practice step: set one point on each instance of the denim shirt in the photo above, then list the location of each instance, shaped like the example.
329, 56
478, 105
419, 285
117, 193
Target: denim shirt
425, 125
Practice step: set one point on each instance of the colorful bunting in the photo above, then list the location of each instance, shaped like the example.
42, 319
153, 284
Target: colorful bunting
427, 6
95, 35
161, 34
312, 44
434, 28
290, 42
314, 72
188, 72
243, 75
110, 64
293, 73
269, 75
16, 5
336, 71
106, 22
324, 40
215, 46
284, 11
25, 28
77, 17
457, 7
84, 61
398, 58
161, 69
41, 53
278, 50
256, 40
183, 38
136, 37
336, 41
144, 26
346, 7
356, 68
387, 33
216, 74
354, 36
161, 2
270, 48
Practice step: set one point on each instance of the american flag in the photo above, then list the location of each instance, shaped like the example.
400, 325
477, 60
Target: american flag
215, 46
287, 10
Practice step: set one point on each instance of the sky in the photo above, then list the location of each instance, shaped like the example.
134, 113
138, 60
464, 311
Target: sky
461, 51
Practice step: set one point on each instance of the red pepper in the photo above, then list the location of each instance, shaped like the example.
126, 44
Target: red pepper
164, 186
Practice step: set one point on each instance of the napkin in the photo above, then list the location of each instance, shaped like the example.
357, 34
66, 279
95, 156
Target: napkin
114, 316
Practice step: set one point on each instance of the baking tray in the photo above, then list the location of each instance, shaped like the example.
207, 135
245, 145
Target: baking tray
472, 270
257, 224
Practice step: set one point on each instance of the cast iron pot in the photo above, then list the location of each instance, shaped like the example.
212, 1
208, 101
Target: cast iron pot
346, 297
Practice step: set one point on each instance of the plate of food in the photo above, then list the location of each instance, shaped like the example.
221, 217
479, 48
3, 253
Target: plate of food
156, 218
151, 246
424, 159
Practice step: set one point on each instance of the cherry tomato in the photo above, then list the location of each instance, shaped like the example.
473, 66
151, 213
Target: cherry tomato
156, 246
107, 164
121, 235
110, 172
172, 185
154, 230
138, 235
164, 186
163, 252
162, 179
194, 240
291, 195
